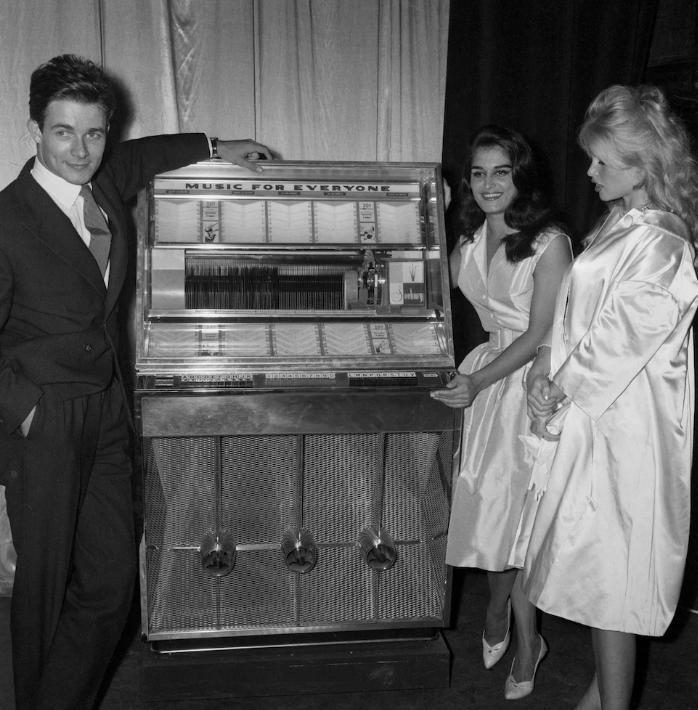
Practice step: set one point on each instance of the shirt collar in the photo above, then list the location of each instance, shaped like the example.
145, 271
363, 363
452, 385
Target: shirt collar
60, 190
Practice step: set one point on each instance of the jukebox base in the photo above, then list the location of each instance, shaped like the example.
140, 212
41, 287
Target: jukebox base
361, 666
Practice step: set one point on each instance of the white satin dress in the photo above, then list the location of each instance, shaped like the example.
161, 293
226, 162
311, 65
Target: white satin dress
609, 541
491, 490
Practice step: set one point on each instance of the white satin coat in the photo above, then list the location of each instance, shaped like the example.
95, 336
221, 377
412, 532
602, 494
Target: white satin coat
608, 545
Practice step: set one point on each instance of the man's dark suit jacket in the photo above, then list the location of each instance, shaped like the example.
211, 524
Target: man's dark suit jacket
57, 318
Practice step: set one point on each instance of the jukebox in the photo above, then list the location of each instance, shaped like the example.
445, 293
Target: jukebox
289, 328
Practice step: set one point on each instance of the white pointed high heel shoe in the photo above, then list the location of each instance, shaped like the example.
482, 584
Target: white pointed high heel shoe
492, 654
516, 691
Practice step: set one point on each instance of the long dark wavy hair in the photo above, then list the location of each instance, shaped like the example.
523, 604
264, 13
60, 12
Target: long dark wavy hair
529, 213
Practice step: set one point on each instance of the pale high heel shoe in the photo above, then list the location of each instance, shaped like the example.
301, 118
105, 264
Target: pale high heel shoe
492, 654
516, 691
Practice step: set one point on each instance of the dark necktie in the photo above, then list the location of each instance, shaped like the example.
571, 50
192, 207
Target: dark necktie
97, 227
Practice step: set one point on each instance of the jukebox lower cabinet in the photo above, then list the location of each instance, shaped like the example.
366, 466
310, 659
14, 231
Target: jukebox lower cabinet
290, 326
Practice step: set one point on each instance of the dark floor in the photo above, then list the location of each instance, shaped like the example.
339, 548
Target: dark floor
667, 679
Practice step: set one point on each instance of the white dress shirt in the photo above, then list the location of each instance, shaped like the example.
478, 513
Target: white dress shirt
67, 197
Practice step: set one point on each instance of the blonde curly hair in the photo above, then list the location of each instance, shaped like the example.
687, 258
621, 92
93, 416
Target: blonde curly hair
635, 128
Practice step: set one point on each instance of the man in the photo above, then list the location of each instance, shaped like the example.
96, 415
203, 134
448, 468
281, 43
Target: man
63, 425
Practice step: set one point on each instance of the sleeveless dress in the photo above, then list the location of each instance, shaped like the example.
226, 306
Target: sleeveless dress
493, 509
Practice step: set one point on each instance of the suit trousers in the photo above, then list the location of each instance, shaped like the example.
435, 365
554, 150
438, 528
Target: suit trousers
69, 496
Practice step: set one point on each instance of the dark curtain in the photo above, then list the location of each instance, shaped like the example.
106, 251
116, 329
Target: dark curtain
534, 65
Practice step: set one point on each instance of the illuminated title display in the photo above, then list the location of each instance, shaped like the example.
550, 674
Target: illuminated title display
249, 187
284, 188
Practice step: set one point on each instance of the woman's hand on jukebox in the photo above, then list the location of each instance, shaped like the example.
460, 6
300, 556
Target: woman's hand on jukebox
458, 393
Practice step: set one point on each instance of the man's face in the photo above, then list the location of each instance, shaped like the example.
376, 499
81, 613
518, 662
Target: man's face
72, 140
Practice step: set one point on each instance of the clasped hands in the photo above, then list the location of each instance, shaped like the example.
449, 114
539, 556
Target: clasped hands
543, 396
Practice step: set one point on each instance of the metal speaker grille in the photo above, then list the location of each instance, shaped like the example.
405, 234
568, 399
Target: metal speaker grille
258, 487
258, 496
338, 591
339, 484
415, 502
180, 503
187, 477
258, 593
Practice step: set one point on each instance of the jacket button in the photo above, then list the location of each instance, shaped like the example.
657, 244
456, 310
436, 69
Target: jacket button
88, 348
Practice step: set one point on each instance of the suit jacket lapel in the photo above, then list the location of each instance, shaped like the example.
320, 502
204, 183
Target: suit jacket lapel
56, 231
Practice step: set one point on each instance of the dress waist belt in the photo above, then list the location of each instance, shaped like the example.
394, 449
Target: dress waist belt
503, 338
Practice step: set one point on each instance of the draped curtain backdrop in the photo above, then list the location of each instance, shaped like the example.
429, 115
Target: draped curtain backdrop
340, 80
313, 79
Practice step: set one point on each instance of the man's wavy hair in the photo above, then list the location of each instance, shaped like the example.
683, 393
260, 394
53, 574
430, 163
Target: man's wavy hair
529, 213
628, 127
71, 78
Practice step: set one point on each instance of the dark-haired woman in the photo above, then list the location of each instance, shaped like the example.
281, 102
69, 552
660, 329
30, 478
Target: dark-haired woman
509, 263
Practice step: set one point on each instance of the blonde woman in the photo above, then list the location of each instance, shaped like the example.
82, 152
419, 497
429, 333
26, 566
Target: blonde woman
609, 542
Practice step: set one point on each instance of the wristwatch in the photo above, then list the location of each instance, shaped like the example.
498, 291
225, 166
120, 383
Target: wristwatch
214, 148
